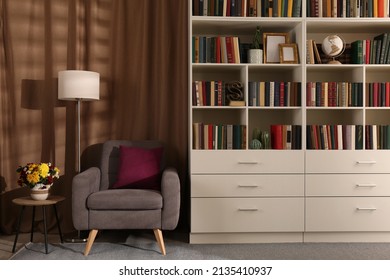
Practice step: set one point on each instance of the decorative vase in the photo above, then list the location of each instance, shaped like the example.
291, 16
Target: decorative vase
255, 56
40, 192
265, 140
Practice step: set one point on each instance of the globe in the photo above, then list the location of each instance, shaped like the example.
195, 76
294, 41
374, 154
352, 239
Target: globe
333, 46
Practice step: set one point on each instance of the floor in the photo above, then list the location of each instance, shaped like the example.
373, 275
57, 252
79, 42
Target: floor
7, 242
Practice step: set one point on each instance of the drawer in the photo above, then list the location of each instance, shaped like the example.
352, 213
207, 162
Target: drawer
347, 214
249, 161
348, 185
247, 185
348, 161
247, 215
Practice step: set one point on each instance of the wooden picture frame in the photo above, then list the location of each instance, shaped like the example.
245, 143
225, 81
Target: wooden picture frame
271, 43
288, 53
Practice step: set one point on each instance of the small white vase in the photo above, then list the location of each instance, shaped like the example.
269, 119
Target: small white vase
40, 192
255, 56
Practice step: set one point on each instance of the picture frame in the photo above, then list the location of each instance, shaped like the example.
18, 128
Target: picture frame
271, 43
288, 53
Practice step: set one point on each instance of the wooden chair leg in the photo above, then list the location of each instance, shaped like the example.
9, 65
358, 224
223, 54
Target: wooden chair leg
160, 240
90, 240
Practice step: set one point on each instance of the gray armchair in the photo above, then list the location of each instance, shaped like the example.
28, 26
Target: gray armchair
95, 206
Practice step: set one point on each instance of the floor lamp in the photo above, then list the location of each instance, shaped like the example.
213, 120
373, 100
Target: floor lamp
78, 85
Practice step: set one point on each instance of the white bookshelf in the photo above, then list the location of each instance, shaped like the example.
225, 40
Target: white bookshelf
246, 195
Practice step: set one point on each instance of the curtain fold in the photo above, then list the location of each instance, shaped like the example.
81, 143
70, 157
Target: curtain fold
140, 50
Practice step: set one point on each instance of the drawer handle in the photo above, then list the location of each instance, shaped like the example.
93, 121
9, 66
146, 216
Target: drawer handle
366, 161
365, 208
248, 209
248, 162
365, 185
248, 186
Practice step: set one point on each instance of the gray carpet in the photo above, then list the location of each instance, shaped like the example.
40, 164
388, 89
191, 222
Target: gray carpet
142, 246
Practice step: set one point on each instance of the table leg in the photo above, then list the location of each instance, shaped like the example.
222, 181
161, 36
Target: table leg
32, 224
58, 223
44, 225
18, 228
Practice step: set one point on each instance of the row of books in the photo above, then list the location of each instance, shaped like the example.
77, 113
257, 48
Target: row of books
378, 94
286, 137
219, 136
376, 51
247, 8
216, 49
334, 137
347, 8
274, 94
217, 93
377, 137
334, 94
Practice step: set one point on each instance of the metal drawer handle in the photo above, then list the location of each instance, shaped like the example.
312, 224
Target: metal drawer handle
366, 161
365, 208
248, 186
248, 162
366, 185
248, 209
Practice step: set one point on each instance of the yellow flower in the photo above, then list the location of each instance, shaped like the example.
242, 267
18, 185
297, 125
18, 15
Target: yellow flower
57, 172
43, 170
33, 178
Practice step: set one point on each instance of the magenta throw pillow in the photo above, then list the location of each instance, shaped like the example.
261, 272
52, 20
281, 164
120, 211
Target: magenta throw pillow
139, 168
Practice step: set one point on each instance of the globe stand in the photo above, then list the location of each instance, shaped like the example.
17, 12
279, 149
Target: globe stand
333, 61
333, 46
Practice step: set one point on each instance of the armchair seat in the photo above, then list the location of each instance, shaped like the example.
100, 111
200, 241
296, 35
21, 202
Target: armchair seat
134, 199
97, 204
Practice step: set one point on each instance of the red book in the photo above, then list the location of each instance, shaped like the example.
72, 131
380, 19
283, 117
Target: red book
218, 49
375, 94
281, 94
277, 136
381, 8
368, 46
210, 136
387, 96
229, 49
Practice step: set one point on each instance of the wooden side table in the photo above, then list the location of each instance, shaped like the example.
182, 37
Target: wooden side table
28, 201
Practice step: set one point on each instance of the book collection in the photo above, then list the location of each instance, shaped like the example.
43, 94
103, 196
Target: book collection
334, 137
376, 51
219, 136
347, 8
377, 137
217, 93
247, 8
274, 94
334, 94
216, 49
378, 94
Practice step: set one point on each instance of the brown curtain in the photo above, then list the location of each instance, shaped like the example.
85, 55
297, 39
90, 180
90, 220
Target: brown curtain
140, 50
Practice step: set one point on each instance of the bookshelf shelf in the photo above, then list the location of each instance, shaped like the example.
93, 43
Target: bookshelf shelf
309, 175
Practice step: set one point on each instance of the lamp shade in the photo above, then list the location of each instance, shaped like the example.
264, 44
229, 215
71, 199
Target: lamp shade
78, 84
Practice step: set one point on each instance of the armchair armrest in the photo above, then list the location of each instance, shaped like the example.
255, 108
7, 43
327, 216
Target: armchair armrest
83, 185
170, 191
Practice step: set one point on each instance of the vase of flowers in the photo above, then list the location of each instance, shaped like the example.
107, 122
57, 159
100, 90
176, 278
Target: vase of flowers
39, 177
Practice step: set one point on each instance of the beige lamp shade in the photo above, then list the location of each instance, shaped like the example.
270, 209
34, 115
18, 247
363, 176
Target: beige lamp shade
78, 85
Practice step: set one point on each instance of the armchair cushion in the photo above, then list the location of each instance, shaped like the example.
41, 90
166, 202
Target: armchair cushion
125, 199
139, 168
